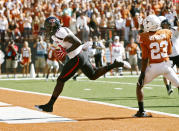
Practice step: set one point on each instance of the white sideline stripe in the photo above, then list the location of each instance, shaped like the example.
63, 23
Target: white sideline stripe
87, 89
20, 115
4, 104
96, 102
114, 82
17, 79
150, 88
118, 88
97, 81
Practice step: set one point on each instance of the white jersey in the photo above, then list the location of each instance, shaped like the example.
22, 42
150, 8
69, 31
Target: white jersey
175, 42
108, 55
25, 52
1, 57
59, 37
117, 51
87, 48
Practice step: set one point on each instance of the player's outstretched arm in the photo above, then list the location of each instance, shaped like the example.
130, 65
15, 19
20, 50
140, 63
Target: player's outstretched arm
74, 41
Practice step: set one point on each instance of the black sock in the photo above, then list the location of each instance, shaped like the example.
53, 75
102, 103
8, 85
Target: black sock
76, 76
110, 67
47, 76
52, 100
167, 86
141, 106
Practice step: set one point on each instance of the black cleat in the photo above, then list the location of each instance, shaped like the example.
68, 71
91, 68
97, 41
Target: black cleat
46, 108
170, 91
142, 114
74, 78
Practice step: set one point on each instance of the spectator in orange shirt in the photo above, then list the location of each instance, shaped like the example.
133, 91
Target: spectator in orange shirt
52, 62
36, 26
20, 24
66, 19
128, 25
132, 50
156, 7
135, 29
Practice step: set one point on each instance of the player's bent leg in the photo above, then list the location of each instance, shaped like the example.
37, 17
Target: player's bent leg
94, 74
172, 76
168, 86
140, 96
149, 76
49, 106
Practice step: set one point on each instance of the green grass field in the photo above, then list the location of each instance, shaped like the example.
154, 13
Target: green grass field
120, 91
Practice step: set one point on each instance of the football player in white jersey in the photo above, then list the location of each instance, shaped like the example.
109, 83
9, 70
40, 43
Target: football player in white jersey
69, 45
174, 57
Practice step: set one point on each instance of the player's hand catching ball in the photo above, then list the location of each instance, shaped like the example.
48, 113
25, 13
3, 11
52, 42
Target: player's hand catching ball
60, 54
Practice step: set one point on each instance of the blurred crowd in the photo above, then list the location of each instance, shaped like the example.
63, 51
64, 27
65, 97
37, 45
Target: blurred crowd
22, 23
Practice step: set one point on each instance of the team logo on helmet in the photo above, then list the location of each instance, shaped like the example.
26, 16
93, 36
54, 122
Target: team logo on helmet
151, 23
52, 24
52, 20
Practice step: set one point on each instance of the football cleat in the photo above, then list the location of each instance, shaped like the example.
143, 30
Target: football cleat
46, 108
124, 64
169, 89
170, 92
142, 114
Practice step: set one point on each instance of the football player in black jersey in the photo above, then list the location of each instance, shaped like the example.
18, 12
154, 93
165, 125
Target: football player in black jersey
71, 46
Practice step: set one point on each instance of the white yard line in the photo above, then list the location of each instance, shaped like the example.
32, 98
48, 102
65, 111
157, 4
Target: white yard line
115, 82
96, 102
97, 81
21, 115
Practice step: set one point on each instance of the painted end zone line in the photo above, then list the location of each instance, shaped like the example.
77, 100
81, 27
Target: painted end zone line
96, 102
20, 115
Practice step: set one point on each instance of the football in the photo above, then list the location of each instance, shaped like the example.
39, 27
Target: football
60, 54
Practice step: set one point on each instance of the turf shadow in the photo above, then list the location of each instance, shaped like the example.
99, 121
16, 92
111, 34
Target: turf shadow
115, 118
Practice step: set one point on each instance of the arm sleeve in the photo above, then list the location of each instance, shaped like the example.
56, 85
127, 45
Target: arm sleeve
143, 48
170, 44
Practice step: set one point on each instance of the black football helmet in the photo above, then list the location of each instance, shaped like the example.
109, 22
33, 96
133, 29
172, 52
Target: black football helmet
51, 25
165, 22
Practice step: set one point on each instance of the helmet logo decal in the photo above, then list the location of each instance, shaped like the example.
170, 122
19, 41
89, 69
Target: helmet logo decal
52, 20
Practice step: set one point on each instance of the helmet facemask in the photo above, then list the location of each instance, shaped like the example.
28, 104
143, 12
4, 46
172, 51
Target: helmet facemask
52, 24
165, 24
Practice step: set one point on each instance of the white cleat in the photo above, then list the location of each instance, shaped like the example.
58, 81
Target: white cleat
120, 63
126, 65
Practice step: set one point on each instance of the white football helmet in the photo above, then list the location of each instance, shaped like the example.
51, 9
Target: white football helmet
162, 18
151, 23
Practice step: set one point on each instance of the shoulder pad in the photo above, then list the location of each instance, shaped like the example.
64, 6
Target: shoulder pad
61, 33
174, 28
